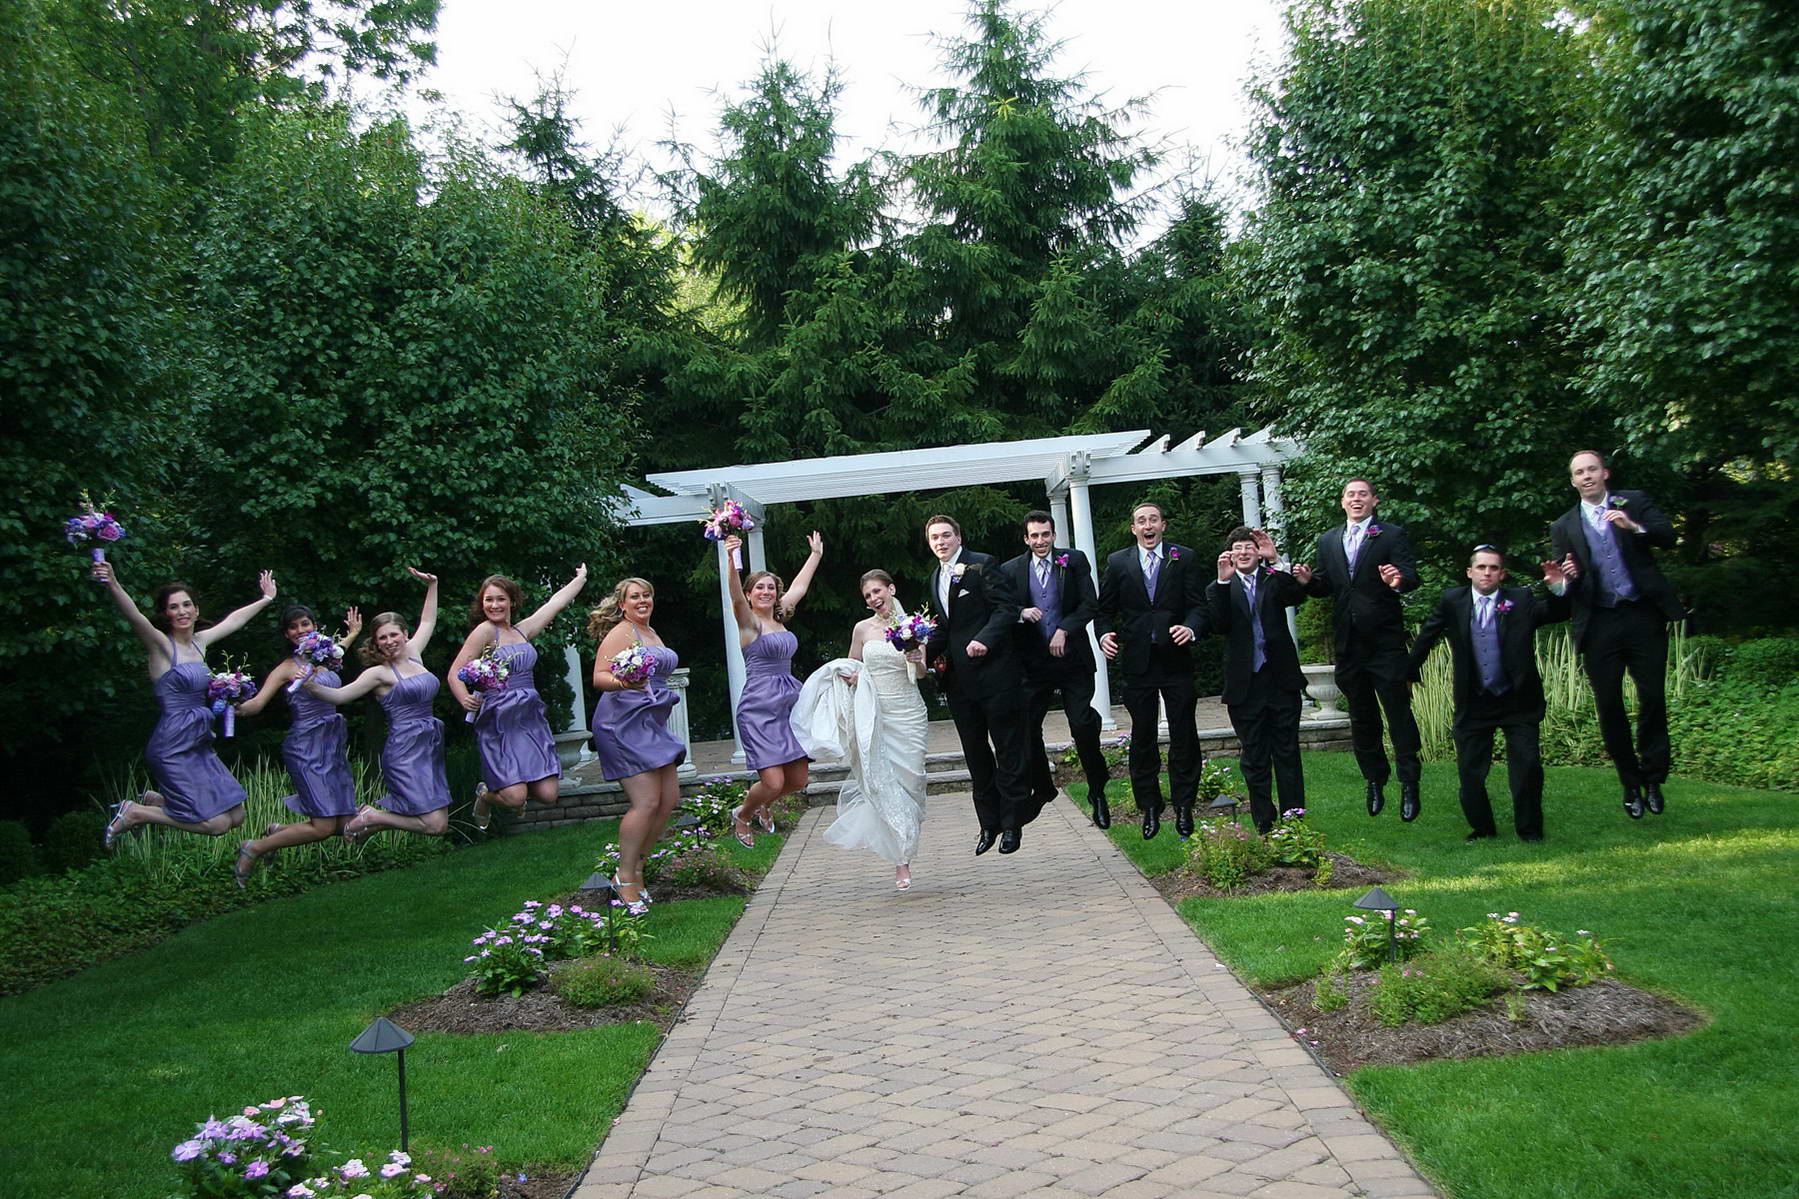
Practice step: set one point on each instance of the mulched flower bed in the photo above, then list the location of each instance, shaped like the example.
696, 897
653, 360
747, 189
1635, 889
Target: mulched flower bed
1347, 873
1606, 1012
460, 1011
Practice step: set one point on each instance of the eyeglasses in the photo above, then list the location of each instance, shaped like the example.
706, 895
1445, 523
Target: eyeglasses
1483, 548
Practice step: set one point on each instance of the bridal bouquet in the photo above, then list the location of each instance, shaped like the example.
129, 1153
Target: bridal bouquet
316, 651
486, 673
227, 689
910, 630
732, 518
632, 665
91, 524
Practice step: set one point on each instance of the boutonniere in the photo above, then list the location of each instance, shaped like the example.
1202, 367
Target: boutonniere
1616, 501
1174, 554
1062, 561
1503, 606
958, 570
1373, 531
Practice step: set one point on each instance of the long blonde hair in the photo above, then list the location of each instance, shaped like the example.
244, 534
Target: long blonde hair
611, 612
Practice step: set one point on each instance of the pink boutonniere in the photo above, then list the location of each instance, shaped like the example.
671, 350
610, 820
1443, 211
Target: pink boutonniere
1174, 555
1062, 560
1503, 606
1373, 531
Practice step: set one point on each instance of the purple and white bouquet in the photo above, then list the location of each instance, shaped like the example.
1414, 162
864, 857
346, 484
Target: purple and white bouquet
910, 630
92, 524
632, 665
732, 518
486, 673
316, 651
227, 689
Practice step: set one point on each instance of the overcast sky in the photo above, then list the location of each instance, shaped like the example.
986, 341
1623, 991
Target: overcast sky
632, 65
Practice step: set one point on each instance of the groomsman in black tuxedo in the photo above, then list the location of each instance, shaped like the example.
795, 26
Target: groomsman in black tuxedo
1491, 632
1622, 604
1055, 585
1248, 604
973, 654
1367, 565
1151, 610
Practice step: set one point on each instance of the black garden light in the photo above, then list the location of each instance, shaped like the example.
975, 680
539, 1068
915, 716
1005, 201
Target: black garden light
384, 1036
604, 891
1378, 900
1223, 804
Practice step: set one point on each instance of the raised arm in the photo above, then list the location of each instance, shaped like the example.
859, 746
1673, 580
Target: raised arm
421, 637
278, 677
740, 603
154, 639
241, 617
802, 582
539, 620
352, 629
1429, 635
367, 681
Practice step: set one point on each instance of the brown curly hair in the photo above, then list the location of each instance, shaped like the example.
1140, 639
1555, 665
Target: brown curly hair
605, 618
513, 591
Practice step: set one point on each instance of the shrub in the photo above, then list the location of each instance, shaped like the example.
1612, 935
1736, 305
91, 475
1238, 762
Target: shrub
507, 961
264, 1151
1733, 731
1710, 655
604, 980
1219, 777
1116, 752
697, 863
1548, 960
1226, 854
787, 810
1330, 993
16, 857
73, 840
1769, 663
1434, 987
1366, 943
463, 1173
714, 802
1293, 842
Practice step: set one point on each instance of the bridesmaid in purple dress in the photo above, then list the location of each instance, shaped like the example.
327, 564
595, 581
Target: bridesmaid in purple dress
765, 708
630, 731
316, 748
412, 759
512, 733
195, 791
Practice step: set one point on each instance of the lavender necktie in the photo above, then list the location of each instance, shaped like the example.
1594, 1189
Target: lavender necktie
1151, 571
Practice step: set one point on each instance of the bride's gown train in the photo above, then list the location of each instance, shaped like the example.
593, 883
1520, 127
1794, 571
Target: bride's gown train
878, 729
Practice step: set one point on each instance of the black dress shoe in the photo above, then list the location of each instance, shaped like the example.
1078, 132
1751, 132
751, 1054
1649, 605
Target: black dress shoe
1477, 835
1530, 836
1152, 823
1376, 801
1102, 815
1633, 803
1183, 821
1408, 802
1652, 798
988, 837
1010, 840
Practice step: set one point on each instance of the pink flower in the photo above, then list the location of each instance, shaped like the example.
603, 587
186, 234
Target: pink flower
109, 531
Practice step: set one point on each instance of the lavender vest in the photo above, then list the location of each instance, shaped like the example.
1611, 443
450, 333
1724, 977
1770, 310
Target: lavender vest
1609, 570
1486, 650
1044, 595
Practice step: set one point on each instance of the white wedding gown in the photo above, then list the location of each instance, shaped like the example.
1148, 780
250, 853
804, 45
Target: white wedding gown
877, 728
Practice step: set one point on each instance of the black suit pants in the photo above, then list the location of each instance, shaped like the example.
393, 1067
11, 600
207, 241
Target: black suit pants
1175, 690
1524, 771
1075, 689
996, 742
1369, 686
1630, 637
1267, 728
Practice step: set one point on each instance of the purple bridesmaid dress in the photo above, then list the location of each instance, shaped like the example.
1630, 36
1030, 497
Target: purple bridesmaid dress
194, 784
316, 750
413, 758
512, 729
630, 727
765, 710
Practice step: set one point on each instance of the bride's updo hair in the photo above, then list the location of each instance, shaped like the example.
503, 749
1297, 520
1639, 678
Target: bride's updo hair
882, 575
606, 617
782, 612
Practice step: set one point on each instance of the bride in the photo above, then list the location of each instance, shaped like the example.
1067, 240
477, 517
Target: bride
866, 710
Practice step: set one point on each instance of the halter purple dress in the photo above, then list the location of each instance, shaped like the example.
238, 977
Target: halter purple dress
512, 729
413, 758
194, 784
630, 727
764, 713
316, 752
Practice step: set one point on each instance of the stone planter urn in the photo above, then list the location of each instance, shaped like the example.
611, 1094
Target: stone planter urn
1321, 687
569, 746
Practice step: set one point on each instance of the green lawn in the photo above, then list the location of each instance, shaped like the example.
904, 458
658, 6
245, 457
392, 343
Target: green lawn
109, 1069
1699, 904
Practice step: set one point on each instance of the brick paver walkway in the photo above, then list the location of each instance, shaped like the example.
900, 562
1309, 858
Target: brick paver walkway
1034, 1025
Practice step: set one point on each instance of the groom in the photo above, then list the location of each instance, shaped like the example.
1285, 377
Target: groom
978, 670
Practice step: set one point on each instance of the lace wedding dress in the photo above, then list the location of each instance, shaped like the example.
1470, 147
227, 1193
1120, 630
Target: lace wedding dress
877, 728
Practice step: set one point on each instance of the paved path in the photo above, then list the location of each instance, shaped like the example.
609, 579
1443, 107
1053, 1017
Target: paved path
1038, 1025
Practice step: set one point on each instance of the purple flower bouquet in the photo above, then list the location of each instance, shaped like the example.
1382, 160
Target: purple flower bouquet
486, 673
316, 651
92, 524
632, 665
226, 690
907, 632
732, 518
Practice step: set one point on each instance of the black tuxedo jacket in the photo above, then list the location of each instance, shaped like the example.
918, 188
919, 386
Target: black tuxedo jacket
1126, 610
1228, 605
1367, 618
982, 608
1453, 620
1079, 601
1569, 537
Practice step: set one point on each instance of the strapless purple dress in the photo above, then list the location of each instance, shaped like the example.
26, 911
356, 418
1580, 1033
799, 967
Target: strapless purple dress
630, 727
765, 710
413, 758
194, 784
512, 730
316, 750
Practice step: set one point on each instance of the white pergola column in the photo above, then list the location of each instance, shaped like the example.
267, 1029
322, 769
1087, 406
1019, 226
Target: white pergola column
1058, 512
758, 556
733, 650
1276, 514
1252, 500
1081, 512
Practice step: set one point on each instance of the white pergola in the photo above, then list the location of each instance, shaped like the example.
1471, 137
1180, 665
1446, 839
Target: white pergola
1066, 466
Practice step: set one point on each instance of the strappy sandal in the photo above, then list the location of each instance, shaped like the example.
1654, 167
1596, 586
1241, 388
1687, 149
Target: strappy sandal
483, 812
746, 839
764, 821
903, 884
244, 866
354, 833
116, 827
633, 907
